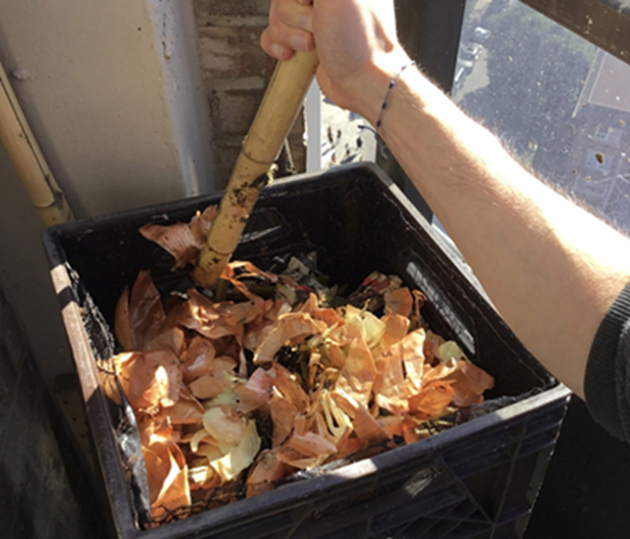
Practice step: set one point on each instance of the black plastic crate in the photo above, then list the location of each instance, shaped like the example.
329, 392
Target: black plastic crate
479, 479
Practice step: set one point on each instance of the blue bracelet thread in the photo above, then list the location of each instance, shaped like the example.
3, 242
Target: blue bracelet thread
389, 89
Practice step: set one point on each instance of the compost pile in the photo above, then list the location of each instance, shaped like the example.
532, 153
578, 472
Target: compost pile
237, 388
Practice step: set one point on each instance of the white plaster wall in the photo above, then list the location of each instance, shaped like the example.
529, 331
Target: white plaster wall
109, 111
113, 94
175, 30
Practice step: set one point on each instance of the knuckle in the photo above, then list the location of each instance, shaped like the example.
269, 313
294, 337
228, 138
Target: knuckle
265, 40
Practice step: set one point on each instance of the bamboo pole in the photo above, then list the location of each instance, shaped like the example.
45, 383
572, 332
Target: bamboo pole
29, 163
277, 112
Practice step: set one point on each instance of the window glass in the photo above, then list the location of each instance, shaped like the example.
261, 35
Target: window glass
559, 103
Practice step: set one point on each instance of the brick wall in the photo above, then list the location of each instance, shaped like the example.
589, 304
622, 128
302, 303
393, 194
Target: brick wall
235, 70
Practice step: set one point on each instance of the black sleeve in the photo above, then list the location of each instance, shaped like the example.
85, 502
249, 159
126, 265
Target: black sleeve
607, 378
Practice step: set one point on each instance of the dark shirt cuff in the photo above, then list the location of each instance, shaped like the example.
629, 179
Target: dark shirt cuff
606, 382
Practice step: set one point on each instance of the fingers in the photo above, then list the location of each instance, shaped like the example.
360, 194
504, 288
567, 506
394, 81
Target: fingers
289, 30
279, 52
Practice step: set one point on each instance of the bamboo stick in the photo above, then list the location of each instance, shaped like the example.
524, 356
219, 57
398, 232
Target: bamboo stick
29, 163
276, 114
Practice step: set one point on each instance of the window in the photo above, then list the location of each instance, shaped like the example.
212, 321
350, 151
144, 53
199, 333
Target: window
559, 103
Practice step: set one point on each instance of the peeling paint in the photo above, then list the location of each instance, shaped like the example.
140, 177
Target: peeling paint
20, 74
168, 42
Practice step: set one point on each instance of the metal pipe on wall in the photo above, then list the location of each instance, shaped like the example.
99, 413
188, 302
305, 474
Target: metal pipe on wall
27, 158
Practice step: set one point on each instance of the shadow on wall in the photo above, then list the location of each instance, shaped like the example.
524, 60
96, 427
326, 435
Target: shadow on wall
44, 493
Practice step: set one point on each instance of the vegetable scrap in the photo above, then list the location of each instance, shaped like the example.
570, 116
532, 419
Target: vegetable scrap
284, 376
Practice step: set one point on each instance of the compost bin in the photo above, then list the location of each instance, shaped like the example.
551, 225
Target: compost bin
479, 478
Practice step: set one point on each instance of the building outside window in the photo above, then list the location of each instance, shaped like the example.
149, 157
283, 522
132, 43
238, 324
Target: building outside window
559, 103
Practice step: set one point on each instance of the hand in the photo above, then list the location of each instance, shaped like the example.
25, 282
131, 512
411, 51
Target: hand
356, 43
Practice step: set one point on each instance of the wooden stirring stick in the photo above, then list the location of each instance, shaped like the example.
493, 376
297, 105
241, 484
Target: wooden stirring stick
276, 114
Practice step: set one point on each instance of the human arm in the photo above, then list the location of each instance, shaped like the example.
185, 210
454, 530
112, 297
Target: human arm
551, 269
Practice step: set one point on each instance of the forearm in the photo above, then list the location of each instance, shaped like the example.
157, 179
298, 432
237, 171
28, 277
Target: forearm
551, 269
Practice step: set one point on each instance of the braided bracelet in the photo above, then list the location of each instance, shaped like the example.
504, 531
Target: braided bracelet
389, 89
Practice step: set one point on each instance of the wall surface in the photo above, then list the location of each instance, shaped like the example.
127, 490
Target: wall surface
24, 277
42, 494
95, 84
